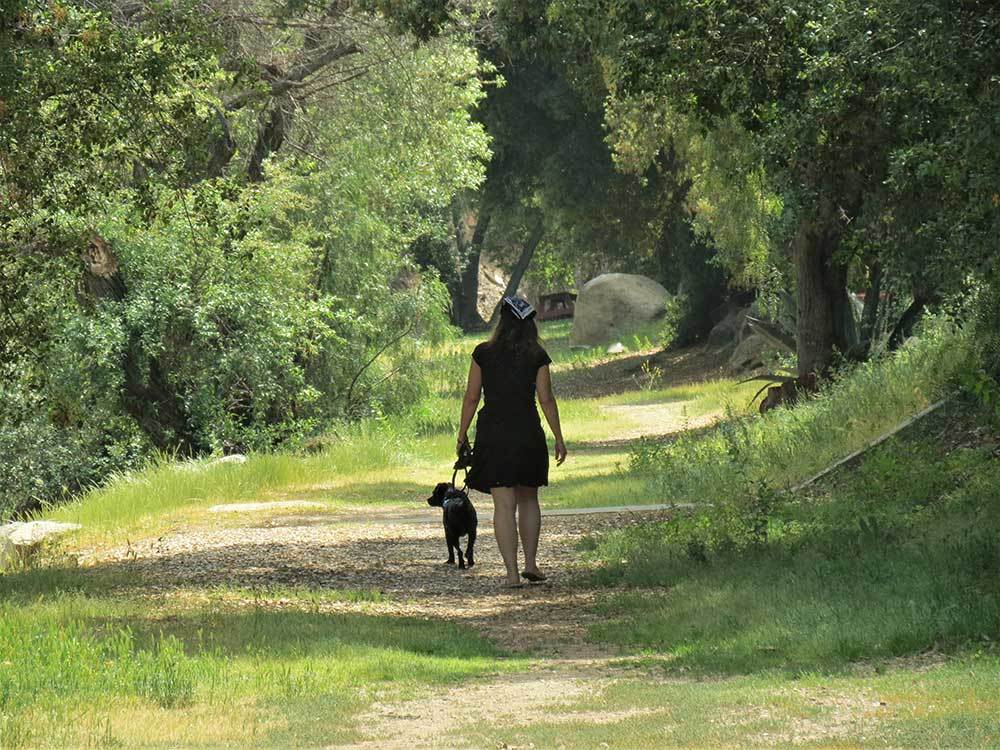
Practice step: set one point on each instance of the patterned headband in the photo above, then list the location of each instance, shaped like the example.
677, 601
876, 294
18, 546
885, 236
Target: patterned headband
521, 308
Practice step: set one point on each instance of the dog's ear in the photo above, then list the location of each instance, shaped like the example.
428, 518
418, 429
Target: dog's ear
439, 492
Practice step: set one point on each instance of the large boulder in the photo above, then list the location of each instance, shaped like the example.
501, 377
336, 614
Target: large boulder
614, 304
20, 539
753, 352
729, 331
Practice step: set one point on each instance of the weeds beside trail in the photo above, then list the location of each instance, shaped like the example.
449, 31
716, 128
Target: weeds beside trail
788, 445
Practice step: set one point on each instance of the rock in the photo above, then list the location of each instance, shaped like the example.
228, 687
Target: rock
19, 539
728, 331
616, 348
30, 533
751, 353
614, 304
235, 458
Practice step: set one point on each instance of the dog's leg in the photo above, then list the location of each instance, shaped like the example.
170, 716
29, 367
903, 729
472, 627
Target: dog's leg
458, 549
452, 545
468, 549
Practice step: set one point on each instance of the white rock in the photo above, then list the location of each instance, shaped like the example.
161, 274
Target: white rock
29, 533
8, 553
614, 304
616, 348
250, 507
235, 458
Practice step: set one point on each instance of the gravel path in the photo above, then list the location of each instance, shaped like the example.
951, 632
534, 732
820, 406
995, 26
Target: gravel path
398, 554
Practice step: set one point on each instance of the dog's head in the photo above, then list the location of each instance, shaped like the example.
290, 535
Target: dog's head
440, 493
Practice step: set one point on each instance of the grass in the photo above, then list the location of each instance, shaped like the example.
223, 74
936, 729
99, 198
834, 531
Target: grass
395, 461
889, 558
221, 667
789, 445
946, 705
147, 501
868, 614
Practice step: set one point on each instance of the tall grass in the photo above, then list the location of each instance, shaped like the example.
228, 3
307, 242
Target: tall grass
788, 445
884, 559
149, 495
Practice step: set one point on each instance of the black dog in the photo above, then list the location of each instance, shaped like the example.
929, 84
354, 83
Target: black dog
459, 519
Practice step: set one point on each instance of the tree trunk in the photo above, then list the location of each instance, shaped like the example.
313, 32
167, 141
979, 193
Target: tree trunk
869, 315
270, 135
148, 396
904, 326
470, 230
825, 321
527, 253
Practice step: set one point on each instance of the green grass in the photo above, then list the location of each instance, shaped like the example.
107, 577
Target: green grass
889, 558
221, 667
395, 462
448, 363
789, 445
799, 639
144, 502
943, 705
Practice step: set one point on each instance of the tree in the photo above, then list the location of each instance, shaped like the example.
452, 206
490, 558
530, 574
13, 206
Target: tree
157, 293
827, 100
552, 189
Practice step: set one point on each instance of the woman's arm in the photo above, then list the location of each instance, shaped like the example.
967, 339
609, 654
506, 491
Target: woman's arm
470, 401
546, 399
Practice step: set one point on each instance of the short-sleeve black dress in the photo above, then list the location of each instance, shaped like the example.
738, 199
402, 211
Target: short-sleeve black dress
510, 448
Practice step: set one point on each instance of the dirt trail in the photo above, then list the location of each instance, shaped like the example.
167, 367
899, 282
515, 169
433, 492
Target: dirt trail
401, 555
448, 718
397, 554
657, 421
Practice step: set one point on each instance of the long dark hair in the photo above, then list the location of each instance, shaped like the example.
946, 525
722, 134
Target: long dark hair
513, 334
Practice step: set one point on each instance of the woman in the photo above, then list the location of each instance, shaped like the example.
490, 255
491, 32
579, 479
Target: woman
510, 459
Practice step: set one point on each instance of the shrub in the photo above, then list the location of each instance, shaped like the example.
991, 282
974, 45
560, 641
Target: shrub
738, 471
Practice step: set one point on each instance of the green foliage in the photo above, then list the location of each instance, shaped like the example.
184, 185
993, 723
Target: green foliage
862, 136
737, 466
146, 302
987, 323
886, 558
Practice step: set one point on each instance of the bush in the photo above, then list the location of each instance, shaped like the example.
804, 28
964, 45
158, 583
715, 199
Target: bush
738, 471
982, 377
987, 326
47, 458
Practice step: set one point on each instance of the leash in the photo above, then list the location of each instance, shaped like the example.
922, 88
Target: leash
465, 479
463, 462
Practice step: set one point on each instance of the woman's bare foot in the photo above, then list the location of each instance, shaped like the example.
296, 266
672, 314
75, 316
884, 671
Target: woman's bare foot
513, 581
533, 574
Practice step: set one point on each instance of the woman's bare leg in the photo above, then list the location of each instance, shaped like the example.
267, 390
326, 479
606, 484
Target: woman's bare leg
529, 522
505, 528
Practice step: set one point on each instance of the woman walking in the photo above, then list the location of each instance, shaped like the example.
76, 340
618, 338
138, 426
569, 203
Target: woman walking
510, 459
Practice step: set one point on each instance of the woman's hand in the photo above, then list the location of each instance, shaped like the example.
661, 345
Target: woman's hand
462, 440
560, 452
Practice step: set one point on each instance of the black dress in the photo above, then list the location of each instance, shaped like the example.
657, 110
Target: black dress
510, 445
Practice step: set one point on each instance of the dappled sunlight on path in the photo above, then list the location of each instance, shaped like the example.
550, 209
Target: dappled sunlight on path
396, 555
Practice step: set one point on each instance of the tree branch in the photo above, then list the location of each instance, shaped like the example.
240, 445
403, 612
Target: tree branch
350, 390
295, 76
